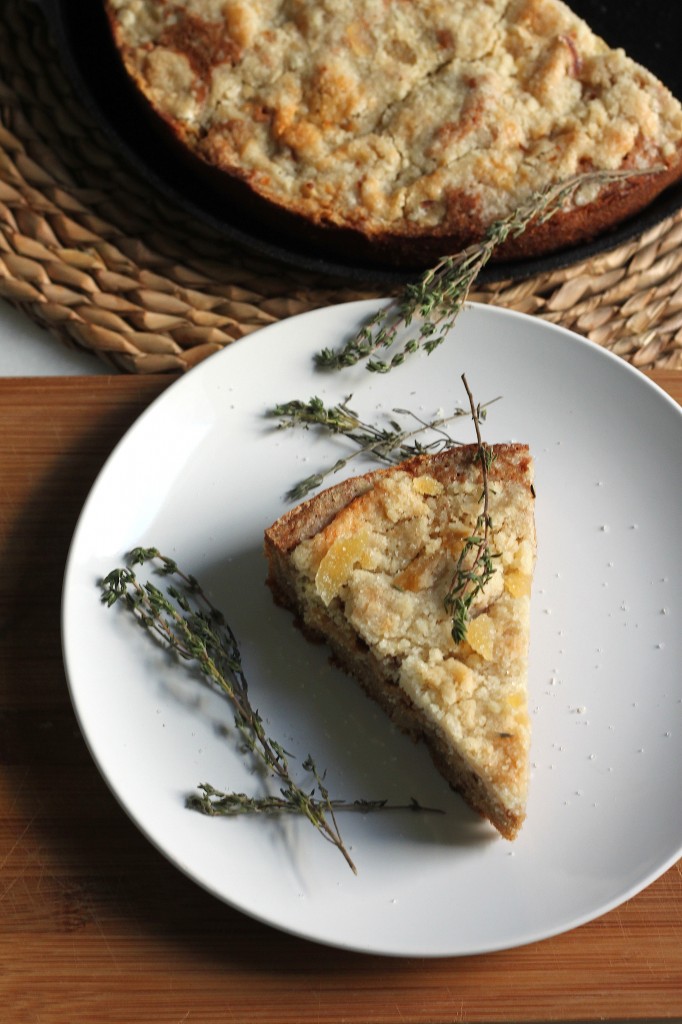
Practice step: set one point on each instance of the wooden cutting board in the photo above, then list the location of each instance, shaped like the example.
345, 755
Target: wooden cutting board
97, 927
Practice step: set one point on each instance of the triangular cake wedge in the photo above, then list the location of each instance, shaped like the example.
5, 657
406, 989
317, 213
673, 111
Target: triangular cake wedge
366, 565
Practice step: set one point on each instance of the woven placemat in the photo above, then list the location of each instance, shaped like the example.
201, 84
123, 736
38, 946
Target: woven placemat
104, 263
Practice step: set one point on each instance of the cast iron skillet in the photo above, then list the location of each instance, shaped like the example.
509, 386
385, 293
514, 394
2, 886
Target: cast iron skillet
648, 32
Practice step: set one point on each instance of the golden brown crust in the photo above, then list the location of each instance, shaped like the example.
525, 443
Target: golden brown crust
511, 462
577, 225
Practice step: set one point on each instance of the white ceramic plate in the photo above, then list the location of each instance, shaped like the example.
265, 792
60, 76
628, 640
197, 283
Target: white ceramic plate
203, 472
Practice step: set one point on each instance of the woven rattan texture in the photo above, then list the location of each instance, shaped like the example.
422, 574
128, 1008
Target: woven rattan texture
89, 252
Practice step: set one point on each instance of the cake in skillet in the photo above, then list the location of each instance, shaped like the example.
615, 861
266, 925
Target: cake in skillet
396, 131
366, 566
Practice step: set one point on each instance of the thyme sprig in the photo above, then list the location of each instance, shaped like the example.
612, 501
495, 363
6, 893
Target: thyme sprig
476, 563
184, 621
435, 300
390, 443
213, 801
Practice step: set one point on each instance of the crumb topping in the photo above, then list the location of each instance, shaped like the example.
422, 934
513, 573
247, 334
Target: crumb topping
385, 563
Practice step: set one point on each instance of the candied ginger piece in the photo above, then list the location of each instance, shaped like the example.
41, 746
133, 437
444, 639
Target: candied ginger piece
481, 636
339, 561
427, 485
517, 583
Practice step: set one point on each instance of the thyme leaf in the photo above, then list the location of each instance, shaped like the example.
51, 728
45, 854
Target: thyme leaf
434, 301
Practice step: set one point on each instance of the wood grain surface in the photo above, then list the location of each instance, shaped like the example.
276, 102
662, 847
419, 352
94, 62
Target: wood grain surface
97, 927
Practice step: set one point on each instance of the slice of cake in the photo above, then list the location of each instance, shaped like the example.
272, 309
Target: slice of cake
367, 566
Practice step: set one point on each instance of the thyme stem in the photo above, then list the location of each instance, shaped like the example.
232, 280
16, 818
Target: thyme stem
185, 622
435, 300
475, 565
389, 444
